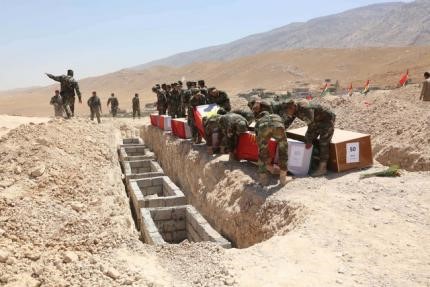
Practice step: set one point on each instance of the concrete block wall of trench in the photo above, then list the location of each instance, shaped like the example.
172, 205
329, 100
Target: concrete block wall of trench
224, 192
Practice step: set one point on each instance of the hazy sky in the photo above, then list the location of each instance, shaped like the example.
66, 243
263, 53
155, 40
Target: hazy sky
95, 37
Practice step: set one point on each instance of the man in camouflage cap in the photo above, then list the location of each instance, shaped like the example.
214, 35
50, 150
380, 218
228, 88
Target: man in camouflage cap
320, 121
220, 98
202, 86
114, 104
197, 99
270, 126
69, 88
232, 125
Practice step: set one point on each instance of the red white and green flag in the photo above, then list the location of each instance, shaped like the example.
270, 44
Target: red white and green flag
404, 80
350, 91
324, 89
366, 87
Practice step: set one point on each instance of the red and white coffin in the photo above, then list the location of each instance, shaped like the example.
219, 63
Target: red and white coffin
247, 148
181, 129
165, 122
154, 120
204, 111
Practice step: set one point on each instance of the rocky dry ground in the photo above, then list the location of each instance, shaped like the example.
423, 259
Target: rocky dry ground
397, 120
65, 220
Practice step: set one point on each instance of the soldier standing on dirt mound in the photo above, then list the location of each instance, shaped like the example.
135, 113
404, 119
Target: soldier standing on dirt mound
197, 99
68, 89
136, 106
320, 121
95, 106
220, 98
114, 104
270, 126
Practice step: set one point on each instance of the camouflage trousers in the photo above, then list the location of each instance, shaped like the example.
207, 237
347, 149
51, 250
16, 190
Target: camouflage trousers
114, 111
173, 111
69, 105
194, 130
265, 133
136, 112
95, 112
212, 128
325, 131
161, 109
59, 110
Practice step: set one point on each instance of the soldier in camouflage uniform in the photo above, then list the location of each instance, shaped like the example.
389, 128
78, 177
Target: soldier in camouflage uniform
202, 86
95, 106
212, 127
231, 126
220, 98
185, 97
175, 101
57, 102
320, 121
136, 106
69, 88
161, 100
114, 104
270, 126
197, 99
246, 113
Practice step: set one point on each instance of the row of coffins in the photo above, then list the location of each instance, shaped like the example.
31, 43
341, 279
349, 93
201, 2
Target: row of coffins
348, 150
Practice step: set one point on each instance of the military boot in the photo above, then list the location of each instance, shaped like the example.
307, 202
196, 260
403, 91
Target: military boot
273, 169
283, 178
210, 150
321, 170
263, 178
232, 157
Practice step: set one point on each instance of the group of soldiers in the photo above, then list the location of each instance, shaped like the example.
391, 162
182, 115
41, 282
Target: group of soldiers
272, 119
64, 99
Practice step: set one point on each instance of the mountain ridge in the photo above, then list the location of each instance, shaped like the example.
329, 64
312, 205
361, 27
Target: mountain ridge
391, 24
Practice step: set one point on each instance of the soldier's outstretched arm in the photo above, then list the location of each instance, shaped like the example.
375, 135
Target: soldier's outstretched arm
55, 78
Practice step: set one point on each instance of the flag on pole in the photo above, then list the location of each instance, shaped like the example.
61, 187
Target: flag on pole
404, 80
350, 91
309, 98
324, 90
366, 88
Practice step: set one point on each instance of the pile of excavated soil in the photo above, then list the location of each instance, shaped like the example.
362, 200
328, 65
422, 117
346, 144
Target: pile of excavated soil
397, 120
331, 231
65, 218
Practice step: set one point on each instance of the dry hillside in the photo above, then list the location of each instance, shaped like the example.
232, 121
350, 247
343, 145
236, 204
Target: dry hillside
276, 70
380, 25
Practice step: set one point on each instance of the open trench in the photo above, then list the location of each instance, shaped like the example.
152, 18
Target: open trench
224, 192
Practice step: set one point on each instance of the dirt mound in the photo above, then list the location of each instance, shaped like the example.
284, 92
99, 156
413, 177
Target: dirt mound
397, 120
223, 191
64, 216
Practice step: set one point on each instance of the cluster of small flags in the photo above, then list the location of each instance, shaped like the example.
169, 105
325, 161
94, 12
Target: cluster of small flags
325, 89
